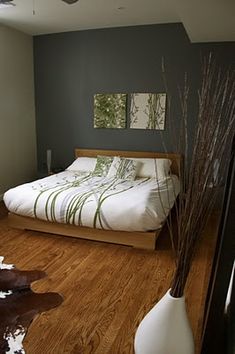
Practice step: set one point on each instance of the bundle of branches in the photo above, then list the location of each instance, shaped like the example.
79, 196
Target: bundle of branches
211, 153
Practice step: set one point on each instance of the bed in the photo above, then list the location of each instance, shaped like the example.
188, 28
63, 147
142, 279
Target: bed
78, 204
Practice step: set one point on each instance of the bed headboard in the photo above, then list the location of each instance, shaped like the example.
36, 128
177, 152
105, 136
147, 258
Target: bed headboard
175, 158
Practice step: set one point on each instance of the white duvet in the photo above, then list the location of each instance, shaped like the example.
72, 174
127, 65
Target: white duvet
97, 202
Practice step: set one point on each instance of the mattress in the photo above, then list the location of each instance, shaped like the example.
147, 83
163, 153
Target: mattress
80, 199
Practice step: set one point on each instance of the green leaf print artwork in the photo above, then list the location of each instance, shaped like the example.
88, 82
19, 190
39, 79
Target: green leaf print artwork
110, 110
148, 111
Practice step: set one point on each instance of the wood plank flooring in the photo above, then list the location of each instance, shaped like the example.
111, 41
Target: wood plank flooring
107, 288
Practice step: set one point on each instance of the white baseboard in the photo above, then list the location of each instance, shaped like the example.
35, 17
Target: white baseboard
1, 197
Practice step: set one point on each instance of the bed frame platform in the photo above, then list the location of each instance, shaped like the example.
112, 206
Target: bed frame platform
145, 240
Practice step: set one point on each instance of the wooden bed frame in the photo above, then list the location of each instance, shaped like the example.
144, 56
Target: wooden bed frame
146, 240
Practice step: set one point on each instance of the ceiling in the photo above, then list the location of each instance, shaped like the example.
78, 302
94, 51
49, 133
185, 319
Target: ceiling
204, 20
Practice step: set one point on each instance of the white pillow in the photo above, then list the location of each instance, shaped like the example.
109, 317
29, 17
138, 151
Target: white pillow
83, 164
153, 168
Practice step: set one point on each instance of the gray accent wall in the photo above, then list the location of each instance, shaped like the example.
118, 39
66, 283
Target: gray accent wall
71, 67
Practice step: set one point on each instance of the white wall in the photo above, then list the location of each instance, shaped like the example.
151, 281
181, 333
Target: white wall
17, 110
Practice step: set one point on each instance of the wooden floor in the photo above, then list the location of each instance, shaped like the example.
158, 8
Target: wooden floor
107, 288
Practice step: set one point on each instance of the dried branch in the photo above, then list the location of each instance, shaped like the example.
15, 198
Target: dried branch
212, 143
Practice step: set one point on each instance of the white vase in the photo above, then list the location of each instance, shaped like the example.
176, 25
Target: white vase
165, 329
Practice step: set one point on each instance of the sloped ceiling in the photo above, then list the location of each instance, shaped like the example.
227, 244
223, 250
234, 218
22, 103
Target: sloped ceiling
204, 21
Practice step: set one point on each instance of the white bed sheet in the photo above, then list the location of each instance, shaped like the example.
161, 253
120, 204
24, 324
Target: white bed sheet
80, 199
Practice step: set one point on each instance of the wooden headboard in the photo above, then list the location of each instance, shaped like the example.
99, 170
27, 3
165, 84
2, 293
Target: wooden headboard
175, 158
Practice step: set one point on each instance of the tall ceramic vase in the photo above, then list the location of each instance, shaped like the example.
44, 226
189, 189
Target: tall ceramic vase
165, 329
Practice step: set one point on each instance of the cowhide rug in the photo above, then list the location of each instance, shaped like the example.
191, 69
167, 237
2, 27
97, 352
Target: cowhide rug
19, 305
